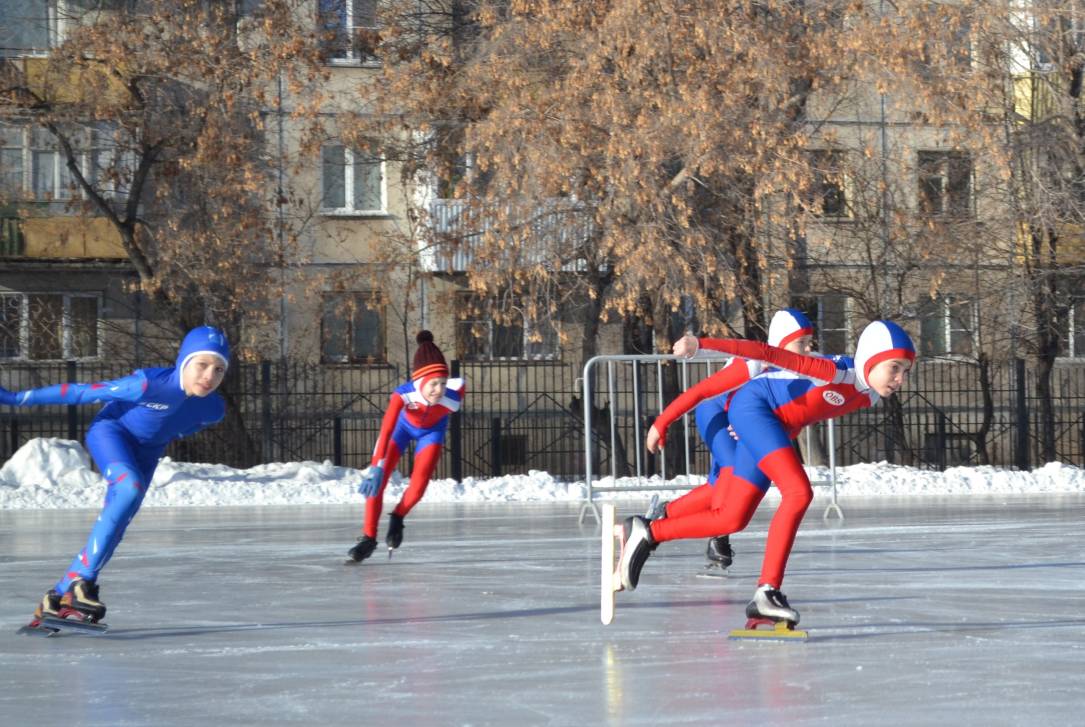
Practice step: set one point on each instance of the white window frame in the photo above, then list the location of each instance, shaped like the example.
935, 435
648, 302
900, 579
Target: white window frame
945, 157
944, 316
821, 329
60, 191
351, 58
1071, 351
66, 321
54, 27
348, 187
87, 145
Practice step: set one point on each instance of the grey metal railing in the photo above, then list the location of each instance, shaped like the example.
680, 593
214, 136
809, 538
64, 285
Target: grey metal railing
638, 482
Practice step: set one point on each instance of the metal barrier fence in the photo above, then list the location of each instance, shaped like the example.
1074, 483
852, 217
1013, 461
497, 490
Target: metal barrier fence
643, 373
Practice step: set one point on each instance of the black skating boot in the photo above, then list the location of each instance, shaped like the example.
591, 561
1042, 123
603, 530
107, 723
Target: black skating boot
363, 549
636, 547
395, 531
82, 601
719, 551
769, 605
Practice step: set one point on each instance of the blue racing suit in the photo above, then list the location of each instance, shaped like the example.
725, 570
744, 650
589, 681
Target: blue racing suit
145, 411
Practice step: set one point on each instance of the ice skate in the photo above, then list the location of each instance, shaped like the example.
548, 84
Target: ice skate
81, 602
78, 610
719, 552
656, 509
769, 607
48, 607
637, 545
719, 555
361, 550
394, 537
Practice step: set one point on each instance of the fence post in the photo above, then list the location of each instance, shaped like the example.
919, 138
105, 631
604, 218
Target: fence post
456, 433
1021, 416
940, 440
337, 441
265, 409
73, 413
495, 446
889, 443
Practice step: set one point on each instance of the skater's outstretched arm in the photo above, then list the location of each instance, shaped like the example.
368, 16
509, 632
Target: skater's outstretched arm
736, 373
128, 388
812, 366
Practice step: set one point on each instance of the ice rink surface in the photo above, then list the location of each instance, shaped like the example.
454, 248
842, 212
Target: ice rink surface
921, 611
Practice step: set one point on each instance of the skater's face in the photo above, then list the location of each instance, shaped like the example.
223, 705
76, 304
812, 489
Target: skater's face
202, 375
434, 389
888, 376
801, 345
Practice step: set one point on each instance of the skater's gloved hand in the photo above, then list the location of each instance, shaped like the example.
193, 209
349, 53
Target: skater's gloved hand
7, 398
371, 481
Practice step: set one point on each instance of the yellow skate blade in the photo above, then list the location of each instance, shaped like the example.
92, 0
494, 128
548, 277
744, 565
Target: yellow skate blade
781, 632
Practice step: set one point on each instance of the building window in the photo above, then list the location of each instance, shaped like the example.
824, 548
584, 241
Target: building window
826, 196
946, 326
34, 166
482, 338
950, 46
1072, 329
108, 164
11, 163
945, 183
352, 182
352, 328
348, 30
49, 326
28, 27
49, 175
11, 317
832, 319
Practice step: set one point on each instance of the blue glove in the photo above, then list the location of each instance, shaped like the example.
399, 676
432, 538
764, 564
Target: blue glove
7, 398
371, 481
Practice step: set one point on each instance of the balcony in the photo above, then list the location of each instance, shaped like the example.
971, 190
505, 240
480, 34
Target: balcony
556, 229
59, 237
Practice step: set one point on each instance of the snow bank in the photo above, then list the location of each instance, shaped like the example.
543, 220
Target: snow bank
56, 473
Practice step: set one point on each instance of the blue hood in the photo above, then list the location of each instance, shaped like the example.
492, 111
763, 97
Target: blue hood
203, 339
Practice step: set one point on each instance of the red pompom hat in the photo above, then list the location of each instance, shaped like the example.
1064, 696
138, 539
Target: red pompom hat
428, 359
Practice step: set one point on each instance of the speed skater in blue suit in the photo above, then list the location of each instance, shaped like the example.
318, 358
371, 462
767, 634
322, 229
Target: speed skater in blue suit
143, 413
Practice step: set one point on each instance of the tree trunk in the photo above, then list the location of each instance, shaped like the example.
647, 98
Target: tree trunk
593, 311
983, 363
1044, 247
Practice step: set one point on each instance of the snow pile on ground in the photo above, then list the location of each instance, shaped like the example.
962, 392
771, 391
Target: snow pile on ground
56, 473
888, 479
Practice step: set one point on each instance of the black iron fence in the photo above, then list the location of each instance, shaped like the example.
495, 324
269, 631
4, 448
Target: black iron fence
516, 417
528, 416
